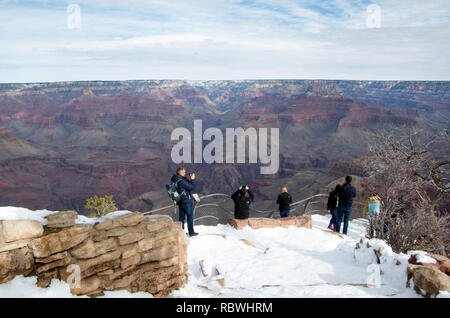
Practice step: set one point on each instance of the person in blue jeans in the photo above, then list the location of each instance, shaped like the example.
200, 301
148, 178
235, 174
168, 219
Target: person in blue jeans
186, 204
284, 199
346, 193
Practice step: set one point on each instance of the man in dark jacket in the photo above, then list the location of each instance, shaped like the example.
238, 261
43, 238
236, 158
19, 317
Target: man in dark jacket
346, 193
242, 198
186, 204
332, 208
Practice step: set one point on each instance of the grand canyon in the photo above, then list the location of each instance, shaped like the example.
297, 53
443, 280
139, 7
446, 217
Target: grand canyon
62, 142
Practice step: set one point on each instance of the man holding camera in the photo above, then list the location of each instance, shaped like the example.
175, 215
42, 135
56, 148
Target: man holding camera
186, 204
242, 198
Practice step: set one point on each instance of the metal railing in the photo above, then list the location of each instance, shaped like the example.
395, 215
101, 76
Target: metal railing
218, 213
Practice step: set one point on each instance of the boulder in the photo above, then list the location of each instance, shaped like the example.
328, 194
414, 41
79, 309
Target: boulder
130, 219
62, 219
15, 230
431, 280
60, 241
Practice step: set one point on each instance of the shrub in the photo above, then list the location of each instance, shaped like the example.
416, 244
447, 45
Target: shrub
102, 206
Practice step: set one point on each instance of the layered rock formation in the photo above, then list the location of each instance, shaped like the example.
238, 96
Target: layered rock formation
61, 143
132, 252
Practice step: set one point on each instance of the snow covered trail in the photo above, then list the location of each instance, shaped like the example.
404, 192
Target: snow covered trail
280, 262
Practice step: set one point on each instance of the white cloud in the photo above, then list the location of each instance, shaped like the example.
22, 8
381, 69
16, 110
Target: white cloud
224, 40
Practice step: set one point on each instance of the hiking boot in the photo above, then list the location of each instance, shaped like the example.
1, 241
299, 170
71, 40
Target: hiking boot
330, 227
193, 234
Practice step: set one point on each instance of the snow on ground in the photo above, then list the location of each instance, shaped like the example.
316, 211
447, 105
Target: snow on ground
292, 262
278, 262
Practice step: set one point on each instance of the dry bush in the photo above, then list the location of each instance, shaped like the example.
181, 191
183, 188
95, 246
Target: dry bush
413, 185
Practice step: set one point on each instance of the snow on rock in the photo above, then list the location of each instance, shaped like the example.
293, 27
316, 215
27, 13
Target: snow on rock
290, 262
422, 257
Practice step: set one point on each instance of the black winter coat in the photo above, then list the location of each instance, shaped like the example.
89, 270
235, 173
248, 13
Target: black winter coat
242, 204
284, 199
332, 200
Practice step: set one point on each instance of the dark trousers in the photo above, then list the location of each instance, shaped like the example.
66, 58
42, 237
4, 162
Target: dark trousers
187, 209
334, 218
343, 212
285, 213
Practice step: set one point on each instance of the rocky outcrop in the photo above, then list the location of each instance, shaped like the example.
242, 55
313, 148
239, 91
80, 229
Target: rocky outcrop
132, 252
429, 278
258, 223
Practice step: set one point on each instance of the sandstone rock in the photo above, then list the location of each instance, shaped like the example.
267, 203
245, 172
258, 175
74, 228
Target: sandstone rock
159, 254
130, 238
129, 252
62, 219
130, 219
52, 258
52, 265
14, 245
428, 279
85, 264
304, 221
439, 258
256, 223
87, 286
445, 267
14, 230
238, 224
44, 279
289, 221
158, 222
90, 249
130, 261
105, 273
61, 241
15, 262
162, 238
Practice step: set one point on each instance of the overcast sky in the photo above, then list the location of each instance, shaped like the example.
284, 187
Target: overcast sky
42, 41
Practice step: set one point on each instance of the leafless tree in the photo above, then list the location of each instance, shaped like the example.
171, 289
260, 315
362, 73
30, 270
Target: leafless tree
409, 168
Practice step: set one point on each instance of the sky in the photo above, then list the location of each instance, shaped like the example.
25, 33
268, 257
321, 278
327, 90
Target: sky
47, 41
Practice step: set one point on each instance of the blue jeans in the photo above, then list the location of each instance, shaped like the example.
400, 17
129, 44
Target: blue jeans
343, 212
334, 218
187, 209
285, 213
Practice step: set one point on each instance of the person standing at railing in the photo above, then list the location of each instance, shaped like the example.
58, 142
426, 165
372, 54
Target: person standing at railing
284, 199
346, 194
332, 204
242, 198
186, 205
